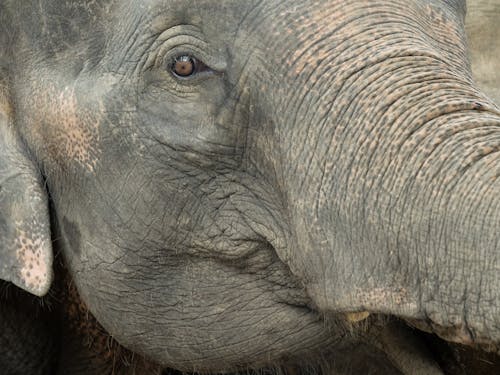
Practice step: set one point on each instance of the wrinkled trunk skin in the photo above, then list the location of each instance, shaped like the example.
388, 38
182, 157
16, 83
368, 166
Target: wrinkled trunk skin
390, 160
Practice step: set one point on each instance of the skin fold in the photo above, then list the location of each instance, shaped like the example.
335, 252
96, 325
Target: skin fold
319, 181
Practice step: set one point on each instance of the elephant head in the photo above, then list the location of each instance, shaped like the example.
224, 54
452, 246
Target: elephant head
237, 182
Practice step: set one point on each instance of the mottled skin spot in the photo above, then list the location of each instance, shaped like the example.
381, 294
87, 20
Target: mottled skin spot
70, 134
32, 244
77, 133
33, 267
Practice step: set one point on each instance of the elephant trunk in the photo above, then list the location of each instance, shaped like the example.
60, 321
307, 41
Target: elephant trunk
389, 160
403, 222
397, 211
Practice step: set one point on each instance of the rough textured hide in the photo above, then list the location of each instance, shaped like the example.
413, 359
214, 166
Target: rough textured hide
328, 169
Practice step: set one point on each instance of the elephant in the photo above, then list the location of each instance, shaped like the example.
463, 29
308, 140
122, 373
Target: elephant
307, 185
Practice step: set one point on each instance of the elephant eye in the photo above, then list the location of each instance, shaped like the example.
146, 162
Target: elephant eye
186, 66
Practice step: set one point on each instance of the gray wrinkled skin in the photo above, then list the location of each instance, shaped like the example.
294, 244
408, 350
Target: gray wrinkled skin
327, 160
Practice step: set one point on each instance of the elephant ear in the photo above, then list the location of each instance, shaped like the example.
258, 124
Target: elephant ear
25, 242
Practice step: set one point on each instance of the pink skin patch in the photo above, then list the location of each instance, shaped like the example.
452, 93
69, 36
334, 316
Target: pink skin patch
34, 267
78, 132
70, 134
66, 129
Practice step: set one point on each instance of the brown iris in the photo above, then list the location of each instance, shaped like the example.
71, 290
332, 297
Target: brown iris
184, 66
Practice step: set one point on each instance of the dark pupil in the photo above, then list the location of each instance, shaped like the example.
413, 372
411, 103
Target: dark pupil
184, 66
